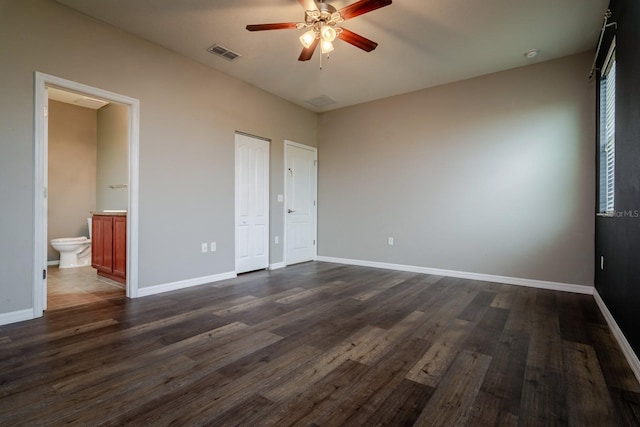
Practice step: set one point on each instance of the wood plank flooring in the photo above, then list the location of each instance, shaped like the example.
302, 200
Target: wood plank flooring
320, 344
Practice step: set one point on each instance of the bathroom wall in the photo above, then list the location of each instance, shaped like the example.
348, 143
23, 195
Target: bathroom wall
113, 157
72, 171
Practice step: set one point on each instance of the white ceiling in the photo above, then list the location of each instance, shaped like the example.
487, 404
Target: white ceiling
422, 43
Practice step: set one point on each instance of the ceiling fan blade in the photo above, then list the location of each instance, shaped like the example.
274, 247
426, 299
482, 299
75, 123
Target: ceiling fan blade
281, 26
308, 4
307, 52
357, 40
361, 7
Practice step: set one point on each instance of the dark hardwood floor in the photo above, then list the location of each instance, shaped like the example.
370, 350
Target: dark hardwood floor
321, 344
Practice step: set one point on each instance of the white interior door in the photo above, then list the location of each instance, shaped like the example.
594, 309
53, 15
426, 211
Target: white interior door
300, 208
252, 203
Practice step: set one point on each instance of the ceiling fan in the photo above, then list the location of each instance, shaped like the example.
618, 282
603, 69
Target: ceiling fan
321, 19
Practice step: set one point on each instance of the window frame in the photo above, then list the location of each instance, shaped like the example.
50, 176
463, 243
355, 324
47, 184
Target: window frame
607, 134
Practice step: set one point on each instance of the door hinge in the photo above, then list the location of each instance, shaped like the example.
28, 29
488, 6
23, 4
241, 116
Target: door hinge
314, 203
44, 274
314, 243
44, 191
46, 111
315, 163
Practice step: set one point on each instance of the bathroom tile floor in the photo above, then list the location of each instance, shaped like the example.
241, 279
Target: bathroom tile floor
70, 287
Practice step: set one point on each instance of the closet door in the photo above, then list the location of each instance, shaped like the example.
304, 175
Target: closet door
252, 203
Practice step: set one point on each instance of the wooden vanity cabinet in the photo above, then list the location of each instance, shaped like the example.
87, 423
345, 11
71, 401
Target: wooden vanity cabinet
109, 246
102, 243
120, 246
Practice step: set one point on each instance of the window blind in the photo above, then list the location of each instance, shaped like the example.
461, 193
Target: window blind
607, 138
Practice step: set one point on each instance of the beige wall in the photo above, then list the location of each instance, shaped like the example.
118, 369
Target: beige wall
113, 157
189, 114
492, 175
72, 171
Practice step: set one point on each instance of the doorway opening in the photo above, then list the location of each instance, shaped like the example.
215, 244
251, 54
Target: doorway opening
43, 83
87, 172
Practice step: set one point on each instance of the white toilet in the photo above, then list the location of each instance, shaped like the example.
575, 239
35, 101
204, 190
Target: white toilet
74, 251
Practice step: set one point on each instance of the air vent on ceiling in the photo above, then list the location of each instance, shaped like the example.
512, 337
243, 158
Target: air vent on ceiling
321, 101
222, 51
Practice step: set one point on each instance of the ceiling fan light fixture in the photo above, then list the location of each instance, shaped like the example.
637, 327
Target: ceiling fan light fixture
328, 33
321, 25
326, 46
307, 38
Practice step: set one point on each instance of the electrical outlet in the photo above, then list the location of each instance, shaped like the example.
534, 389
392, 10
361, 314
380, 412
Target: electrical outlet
390, 241
214, 247
204, 248
280, 198
277, 239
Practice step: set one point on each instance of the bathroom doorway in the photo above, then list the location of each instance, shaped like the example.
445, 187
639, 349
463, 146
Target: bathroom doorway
87, 172
76, 177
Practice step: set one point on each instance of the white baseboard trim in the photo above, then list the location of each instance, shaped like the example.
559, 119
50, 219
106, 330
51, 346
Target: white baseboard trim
628, 352
181, 284
16, 316
556, 286
54, 262
277, 265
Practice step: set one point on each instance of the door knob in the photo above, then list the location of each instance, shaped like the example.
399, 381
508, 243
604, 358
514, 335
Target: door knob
290, 210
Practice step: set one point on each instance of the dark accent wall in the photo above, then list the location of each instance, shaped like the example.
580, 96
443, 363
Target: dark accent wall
618, 238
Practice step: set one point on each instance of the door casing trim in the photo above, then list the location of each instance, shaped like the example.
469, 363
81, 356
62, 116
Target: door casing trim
41, 148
